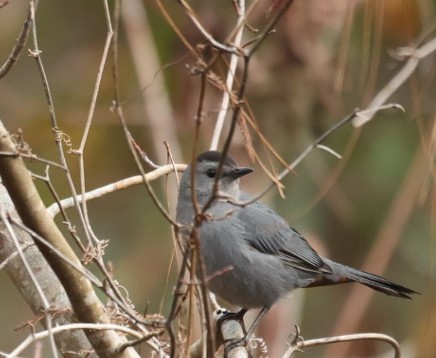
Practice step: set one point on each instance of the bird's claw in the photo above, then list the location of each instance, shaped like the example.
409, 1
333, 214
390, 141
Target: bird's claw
297, 340
226, 315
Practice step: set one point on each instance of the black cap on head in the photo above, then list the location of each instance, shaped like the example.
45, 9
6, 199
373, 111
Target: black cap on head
215, 157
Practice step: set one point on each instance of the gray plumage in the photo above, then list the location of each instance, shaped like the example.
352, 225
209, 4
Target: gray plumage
252, 254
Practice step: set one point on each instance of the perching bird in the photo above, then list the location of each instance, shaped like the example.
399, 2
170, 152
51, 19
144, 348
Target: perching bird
251, 255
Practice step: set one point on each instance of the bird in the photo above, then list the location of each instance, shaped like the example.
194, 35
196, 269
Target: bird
252, 256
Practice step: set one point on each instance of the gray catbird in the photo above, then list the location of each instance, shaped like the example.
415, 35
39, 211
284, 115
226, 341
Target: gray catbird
251, 255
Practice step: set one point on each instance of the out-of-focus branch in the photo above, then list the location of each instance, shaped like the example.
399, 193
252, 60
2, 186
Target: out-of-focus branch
21, 40
33, 213
355, 114
230, 78
118, 109
66, 203
270, 26
381, 252
157, 106
194, 18
415, 56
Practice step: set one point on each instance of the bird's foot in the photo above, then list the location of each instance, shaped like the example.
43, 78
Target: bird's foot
226, 315
241, 342
297, 341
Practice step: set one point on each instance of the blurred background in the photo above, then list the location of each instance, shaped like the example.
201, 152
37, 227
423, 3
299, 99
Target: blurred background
374, 209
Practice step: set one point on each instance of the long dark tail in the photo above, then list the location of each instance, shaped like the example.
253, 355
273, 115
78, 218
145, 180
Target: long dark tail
342, 274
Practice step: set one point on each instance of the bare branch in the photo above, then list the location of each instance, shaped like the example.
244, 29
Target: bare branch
87, 226
113, 187
156, 100
267, 30
299, 343
70, 327
32, 211
47, 280
315, 144
386, 241
21, 41
58, 134
416, 55
194, 18
230, 78
117, 107
44, 300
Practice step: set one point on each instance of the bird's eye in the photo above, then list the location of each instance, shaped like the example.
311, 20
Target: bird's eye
211, 173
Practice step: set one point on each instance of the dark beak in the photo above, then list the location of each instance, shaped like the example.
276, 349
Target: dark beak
240, 172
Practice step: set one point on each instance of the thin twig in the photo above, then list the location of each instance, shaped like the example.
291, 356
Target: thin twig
194, 18
132, 316
96, 91
96, 254
176, 301
36, 54
80, 152
5, 262
68, 327
140, 340
66, 203
46, 304
32, 157
21, 41
319, 140
300, 343
267, 30
120, 115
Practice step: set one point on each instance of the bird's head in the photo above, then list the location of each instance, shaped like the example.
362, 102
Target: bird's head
206, 171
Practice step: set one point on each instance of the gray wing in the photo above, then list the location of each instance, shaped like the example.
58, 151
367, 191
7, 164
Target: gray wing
270, 234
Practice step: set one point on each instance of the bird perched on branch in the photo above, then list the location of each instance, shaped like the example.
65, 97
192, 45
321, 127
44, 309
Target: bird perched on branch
252, 257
